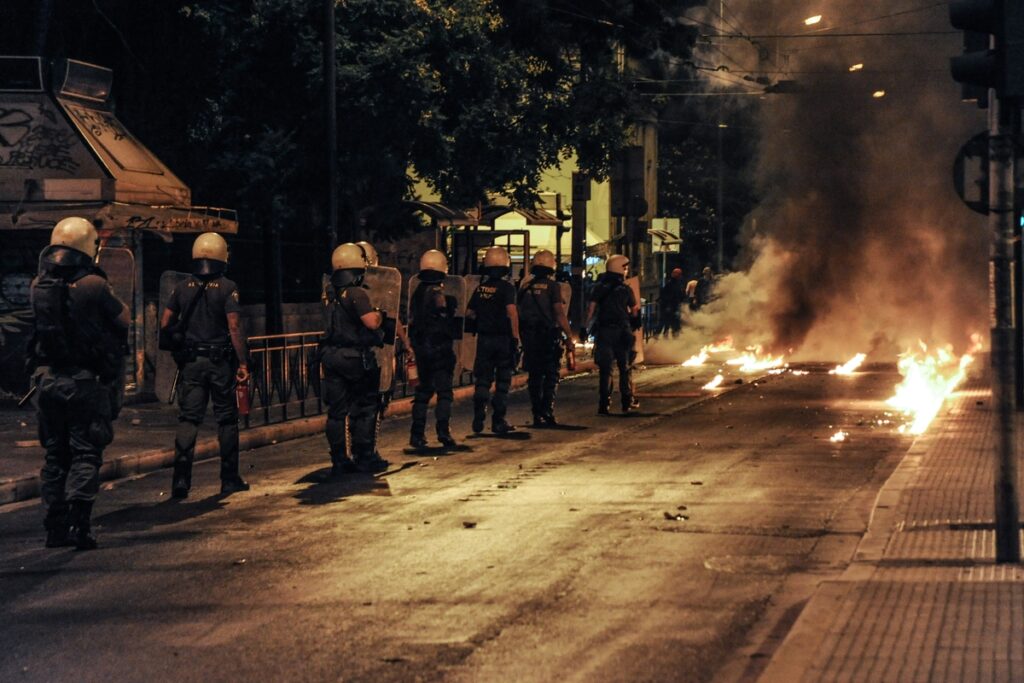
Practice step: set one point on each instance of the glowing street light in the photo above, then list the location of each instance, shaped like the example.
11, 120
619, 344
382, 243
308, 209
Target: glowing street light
811, 21
878, 94
856, 67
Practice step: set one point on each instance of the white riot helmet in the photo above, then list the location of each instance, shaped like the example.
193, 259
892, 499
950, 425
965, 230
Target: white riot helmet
433, 265
543, 262
348, 264
369, 253
209, 254
617, 264
497, 262
74, 241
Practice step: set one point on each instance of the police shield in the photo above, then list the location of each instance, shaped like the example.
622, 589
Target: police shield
467, 355
384, 286
638, 335
456, 291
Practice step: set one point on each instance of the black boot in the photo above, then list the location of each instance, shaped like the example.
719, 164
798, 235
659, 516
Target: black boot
181, 480
80, 531
417, 437
56, 525
341, 465
233, 485
479, 414
604, 406
444, 435
500, 426
370, 462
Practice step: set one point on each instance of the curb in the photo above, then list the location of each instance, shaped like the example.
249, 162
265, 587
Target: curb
25, 488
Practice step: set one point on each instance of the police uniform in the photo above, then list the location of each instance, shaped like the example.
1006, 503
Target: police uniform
614, 344
76, 401
431, 316
495, 350
351, 380
542, 343
207, 372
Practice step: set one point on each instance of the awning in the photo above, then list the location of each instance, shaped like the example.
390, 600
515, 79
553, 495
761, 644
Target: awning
64, 152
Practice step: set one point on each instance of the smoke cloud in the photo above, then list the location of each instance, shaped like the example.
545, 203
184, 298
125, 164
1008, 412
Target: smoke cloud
860, 243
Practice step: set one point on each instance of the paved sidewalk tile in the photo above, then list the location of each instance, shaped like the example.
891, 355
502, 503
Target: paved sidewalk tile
925, 600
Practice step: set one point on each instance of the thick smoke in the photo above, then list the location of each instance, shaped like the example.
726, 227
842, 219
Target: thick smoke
860, 243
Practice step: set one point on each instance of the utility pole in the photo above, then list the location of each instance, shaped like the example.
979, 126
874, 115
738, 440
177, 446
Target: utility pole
578, 252
999, 70
720, 203
1000, 221
330, 80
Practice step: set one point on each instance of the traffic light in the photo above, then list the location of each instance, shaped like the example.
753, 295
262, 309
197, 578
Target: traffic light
994, 55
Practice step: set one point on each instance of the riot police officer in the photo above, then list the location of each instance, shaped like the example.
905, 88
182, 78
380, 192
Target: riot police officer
205, 314
78, 352
352, 329
431, 319
492, 315
543, 321
614, 308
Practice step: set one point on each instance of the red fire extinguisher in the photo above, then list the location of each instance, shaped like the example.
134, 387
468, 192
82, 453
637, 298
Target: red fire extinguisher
242, 395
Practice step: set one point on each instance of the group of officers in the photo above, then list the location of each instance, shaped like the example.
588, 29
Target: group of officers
77, 397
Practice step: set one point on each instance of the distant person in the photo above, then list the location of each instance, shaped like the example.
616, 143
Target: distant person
705, 287
205, 312
691, 295
669, 301
78, 352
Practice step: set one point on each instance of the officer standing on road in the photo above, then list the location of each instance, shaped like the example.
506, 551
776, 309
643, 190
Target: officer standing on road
614, 307
352, 329
492, 315
543, 322
213, 357
431, 316
78, 352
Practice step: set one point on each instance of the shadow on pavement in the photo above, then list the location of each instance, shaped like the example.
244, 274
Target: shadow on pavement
169, 511
511, 436
324, 489
558, 428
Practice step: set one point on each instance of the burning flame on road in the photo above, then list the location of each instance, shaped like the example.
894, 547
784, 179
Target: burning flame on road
850, 366
838, 436
929, 378
705, 353
715, 383
754, 360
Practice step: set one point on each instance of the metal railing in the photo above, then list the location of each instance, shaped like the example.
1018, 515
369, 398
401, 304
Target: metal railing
285, 377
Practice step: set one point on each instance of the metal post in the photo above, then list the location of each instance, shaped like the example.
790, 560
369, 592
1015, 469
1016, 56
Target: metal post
578, 252
330, 78
1000, 220
720, 199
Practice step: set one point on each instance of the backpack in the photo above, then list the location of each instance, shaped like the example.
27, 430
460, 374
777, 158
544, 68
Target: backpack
63, 342
52, 341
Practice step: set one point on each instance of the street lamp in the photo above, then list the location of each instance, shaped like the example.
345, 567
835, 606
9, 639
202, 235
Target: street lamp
811, 21
856, 67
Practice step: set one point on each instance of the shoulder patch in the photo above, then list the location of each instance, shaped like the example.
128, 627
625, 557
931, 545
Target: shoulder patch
234, 296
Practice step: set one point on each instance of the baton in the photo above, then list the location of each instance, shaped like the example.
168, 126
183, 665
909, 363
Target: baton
174, 387
27, 396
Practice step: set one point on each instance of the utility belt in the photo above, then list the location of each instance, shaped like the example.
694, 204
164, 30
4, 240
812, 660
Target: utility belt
364, 353
217, 353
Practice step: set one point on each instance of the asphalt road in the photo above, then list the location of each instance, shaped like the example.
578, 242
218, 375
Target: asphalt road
678, 544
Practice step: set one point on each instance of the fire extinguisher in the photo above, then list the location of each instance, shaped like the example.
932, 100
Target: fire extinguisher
242, 396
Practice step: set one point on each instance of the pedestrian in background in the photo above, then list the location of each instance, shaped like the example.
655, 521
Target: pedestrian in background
491, 314
77, 351
544, 325
613, 308
704, 289
670, 299
204, 313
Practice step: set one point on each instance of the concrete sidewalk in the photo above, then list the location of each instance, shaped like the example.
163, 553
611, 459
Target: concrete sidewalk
923, 599
144, 439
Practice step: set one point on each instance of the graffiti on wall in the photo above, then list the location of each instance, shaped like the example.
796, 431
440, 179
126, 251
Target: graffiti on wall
30, 137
